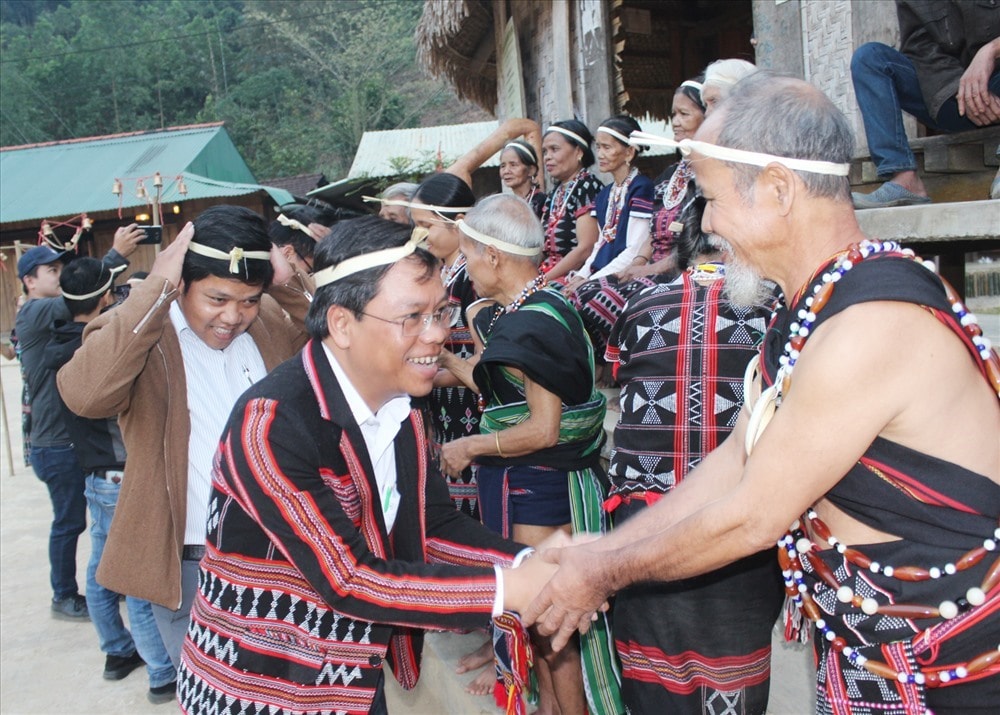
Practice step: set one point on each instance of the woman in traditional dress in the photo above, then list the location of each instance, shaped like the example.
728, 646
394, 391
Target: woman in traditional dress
458, 421
519, 173
542, 425
601, 300
570, 230
623, 207
679, 351
673, 187
623, 210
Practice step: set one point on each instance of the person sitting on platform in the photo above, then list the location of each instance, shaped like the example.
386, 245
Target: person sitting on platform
944, 73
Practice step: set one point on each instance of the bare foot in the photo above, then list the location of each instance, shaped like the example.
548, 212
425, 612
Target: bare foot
476, 659
483, 683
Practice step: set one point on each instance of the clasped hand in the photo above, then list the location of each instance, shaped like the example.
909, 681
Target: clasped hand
563, 589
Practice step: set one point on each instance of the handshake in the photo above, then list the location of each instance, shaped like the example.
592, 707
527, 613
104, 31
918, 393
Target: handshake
560, 588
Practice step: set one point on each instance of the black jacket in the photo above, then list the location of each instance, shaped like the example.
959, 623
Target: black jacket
98, 443
941, 38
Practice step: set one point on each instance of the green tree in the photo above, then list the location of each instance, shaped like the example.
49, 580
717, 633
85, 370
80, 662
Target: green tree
297, 82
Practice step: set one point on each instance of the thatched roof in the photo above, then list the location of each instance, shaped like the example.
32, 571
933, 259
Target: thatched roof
455, 41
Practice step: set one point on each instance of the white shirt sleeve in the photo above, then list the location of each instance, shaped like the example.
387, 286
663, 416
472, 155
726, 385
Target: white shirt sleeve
635, 236
584, 271
498, 570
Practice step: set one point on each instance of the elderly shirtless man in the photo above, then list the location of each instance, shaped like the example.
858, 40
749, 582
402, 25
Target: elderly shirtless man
879, 472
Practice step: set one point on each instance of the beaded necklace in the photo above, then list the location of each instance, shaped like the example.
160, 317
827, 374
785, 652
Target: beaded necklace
530, 289
707, 272
616, 205
449, 273
671, 192
557, 209
770, 398
796, 543
533, 287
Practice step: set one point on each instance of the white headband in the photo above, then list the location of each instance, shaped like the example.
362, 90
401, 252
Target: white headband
426, 207
356, 264
294, 225
504, 246
741, 156
616, 134
691, 83
572, 135
384, 202
100, 291
234, 256
522, 150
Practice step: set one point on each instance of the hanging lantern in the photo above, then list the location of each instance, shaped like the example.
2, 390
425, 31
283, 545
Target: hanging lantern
182, 188
116, 188
47, 230
86, 223
157, 180
140, 191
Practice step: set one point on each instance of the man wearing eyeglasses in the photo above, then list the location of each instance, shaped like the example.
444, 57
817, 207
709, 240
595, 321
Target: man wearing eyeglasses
331, 541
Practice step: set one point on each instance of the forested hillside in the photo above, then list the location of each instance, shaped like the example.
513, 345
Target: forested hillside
296, 81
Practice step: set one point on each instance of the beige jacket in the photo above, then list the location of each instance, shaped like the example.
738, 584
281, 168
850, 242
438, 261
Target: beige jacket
130, 365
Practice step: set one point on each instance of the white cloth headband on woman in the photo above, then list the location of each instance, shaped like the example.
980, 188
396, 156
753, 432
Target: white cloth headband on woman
522, 150
616, 134
741, 156
234, 256
356, 264
572, 135
479, 236
439, 210
100, 291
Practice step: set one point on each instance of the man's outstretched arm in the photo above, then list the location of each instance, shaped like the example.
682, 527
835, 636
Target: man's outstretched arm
848, 385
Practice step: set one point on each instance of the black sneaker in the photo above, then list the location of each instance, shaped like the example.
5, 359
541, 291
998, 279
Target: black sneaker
162, 693
117, 667
71, 608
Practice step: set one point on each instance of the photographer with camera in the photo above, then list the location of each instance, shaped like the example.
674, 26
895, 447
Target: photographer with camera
87, 292
51, 450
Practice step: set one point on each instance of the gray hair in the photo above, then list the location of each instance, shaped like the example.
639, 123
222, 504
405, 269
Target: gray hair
403, 189
784, 116
724, 74
510, 219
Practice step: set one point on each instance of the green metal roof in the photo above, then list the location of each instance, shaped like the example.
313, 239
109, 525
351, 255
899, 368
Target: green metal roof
71, 177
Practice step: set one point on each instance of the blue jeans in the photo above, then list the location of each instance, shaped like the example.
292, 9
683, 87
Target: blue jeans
60, 472
114, 638
886, 85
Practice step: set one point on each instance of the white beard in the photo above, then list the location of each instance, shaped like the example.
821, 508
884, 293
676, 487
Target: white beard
743, 286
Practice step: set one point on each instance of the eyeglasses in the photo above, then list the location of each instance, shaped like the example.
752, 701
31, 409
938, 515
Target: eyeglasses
420, 323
